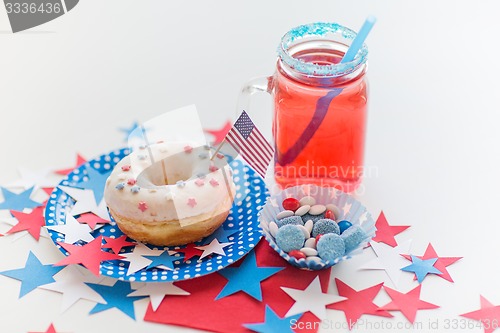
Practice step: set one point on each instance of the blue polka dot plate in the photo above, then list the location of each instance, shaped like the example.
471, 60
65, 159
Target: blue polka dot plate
347, 208
241, 228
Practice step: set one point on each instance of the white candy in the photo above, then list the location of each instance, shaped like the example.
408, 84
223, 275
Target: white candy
309, 252
309, 225
283, 214
317, 260
307, 201
273, 229
311, 242
307, 234
317, 209
334, 209
302, 210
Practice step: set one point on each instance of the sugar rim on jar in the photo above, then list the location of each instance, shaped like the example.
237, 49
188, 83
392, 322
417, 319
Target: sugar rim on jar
320, 29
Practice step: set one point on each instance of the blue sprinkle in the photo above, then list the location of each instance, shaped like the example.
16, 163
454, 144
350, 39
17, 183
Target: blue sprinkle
142, 147
142, 157
344, 225
353, 237
290, 237
135, 189
180, 183
203, 156
120, 186
289, 220
330, 247
306, 217
325, 226
207, 147
201, 175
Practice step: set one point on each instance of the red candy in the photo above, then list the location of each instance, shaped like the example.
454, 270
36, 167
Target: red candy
297, 254
318, 237
291, 204
329, 215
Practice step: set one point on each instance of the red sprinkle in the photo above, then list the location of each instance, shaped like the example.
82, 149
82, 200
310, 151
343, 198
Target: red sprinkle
126, 168
329, 215
131, 181
220, 156
143, 206
188, 149
213, 182
291, 204
213, 168
297, 254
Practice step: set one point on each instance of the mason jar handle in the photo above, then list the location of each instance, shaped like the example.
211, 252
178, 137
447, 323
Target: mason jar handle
259, 84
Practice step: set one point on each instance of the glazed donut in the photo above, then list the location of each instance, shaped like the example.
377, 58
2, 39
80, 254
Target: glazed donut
170, 193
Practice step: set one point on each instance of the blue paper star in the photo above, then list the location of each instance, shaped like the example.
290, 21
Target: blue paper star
129, 131
163, 259
246, 278
422, 267
220, 234
274, 324
33, 275
115, 297
19, 202
96, 182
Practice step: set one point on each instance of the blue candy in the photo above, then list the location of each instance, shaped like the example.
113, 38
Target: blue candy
306, 217
289, 220
330, 247
325, 226
352, 237
290, 237
344, 225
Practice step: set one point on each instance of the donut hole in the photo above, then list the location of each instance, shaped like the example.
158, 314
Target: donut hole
168, 171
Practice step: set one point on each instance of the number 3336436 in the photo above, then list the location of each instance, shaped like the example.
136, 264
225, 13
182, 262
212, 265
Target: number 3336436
32, 8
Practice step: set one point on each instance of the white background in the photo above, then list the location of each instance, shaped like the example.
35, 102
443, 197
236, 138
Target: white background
66, 87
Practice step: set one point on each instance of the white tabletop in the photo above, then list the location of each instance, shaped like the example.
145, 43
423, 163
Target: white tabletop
67, 86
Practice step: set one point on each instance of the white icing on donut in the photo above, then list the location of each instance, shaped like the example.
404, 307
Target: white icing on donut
169, 181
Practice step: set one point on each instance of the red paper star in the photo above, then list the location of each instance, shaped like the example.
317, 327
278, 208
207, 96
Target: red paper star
48, 190
31, 222
190, 251
488, 315
92, 220
408, 303
89, 255
51, 329
440, 264
79, 161
385, 232
213, 315
116, 244
220, 134
358, 302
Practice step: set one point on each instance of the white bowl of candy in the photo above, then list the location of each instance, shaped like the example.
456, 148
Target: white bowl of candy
315, 227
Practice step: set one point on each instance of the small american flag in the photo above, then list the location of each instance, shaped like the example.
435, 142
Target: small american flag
250, 143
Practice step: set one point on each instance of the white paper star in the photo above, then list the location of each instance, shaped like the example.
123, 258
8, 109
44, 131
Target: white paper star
311, 299
213, 247
389, 259
136, 257
157, 291
38, 179
85, 202
73, 230
70, 282
346, 208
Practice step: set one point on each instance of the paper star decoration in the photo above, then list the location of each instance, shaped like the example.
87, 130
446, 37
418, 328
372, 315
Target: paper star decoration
115, 296
440, 264
73, 231
388, 259
95, 182
86, 202
79, 161
130, 130
311, 299
116, 244
18, 201
164, 260
89, 255
220, 234
30, 179
32, 222
220, 134
137, 258
385, 233
358, 303
190, 251
247, 278
51, 329
421, 268
346, 208
274, 324
213, 247
158, 291
408, 304
92, 220
33, 275
487, 314
73, 288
